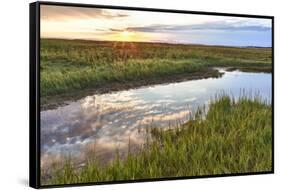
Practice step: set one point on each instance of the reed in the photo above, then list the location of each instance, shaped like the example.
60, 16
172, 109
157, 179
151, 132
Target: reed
234, 136
71, 65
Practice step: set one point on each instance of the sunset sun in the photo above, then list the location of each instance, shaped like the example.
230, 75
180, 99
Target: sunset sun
126, 35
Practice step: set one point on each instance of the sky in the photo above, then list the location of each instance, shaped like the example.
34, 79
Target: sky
142, 26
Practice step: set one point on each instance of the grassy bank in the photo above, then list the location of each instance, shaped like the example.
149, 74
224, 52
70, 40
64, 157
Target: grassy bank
233, 137
68, 66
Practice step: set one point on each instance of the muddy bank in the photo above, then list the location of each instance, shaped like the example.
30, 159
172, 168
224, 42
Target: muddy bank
52, 102
251, 69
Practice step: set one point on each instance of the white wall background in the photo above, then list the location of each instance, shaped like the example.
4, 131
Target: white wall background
14, 73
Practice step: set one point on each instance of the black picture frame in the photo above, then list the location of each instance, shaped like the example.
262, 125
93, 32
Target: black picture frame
34, 91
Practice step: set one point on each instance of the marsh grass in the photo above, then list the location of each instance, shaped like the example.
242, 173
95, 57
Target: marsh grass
72, 65
234, 136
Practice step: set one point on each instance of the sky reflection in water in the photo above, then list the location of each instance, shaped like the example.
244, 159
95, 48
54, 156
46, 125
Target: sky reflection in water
107, 121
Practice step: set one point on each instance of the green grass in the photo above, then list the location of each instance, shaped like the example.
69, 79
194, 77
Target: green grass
71, 65
232, 137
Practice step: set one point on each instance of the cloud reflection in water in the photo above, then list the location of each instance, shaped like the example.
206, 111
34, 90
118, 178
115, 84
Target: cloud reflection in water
108, 121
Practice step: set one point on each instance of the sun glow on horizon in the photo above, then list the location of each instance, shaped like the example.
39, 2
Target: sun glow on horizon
138, 26
127, 36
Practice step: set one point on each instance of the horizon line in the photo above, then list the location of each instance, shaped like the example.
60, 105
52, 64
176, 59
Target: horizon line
160, 42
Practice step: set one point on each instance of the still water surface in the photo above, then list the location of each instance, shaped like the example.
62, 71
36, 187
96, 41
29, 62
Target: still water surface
107, 121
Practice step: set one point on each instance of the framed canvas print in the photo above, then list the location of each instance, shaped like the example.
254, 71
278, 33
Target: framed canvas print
125, 94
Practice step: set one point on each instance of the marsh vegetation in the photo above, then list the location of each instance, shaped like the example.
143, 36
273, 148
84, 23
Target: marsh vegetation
229, 134
71, 67
233, 136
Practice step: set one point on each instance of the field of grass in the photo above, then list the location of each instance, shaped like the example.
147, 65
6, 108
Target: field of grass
69, 66
232, 137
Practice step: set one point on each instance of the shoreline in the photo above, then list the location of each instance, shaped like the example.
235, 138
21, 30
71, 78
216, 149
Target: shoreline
55, 101
181, 139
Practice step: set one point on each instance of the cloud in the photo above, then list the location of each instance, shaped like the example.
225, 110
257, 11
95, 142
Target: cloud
217, 25
54, 13
115, 30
